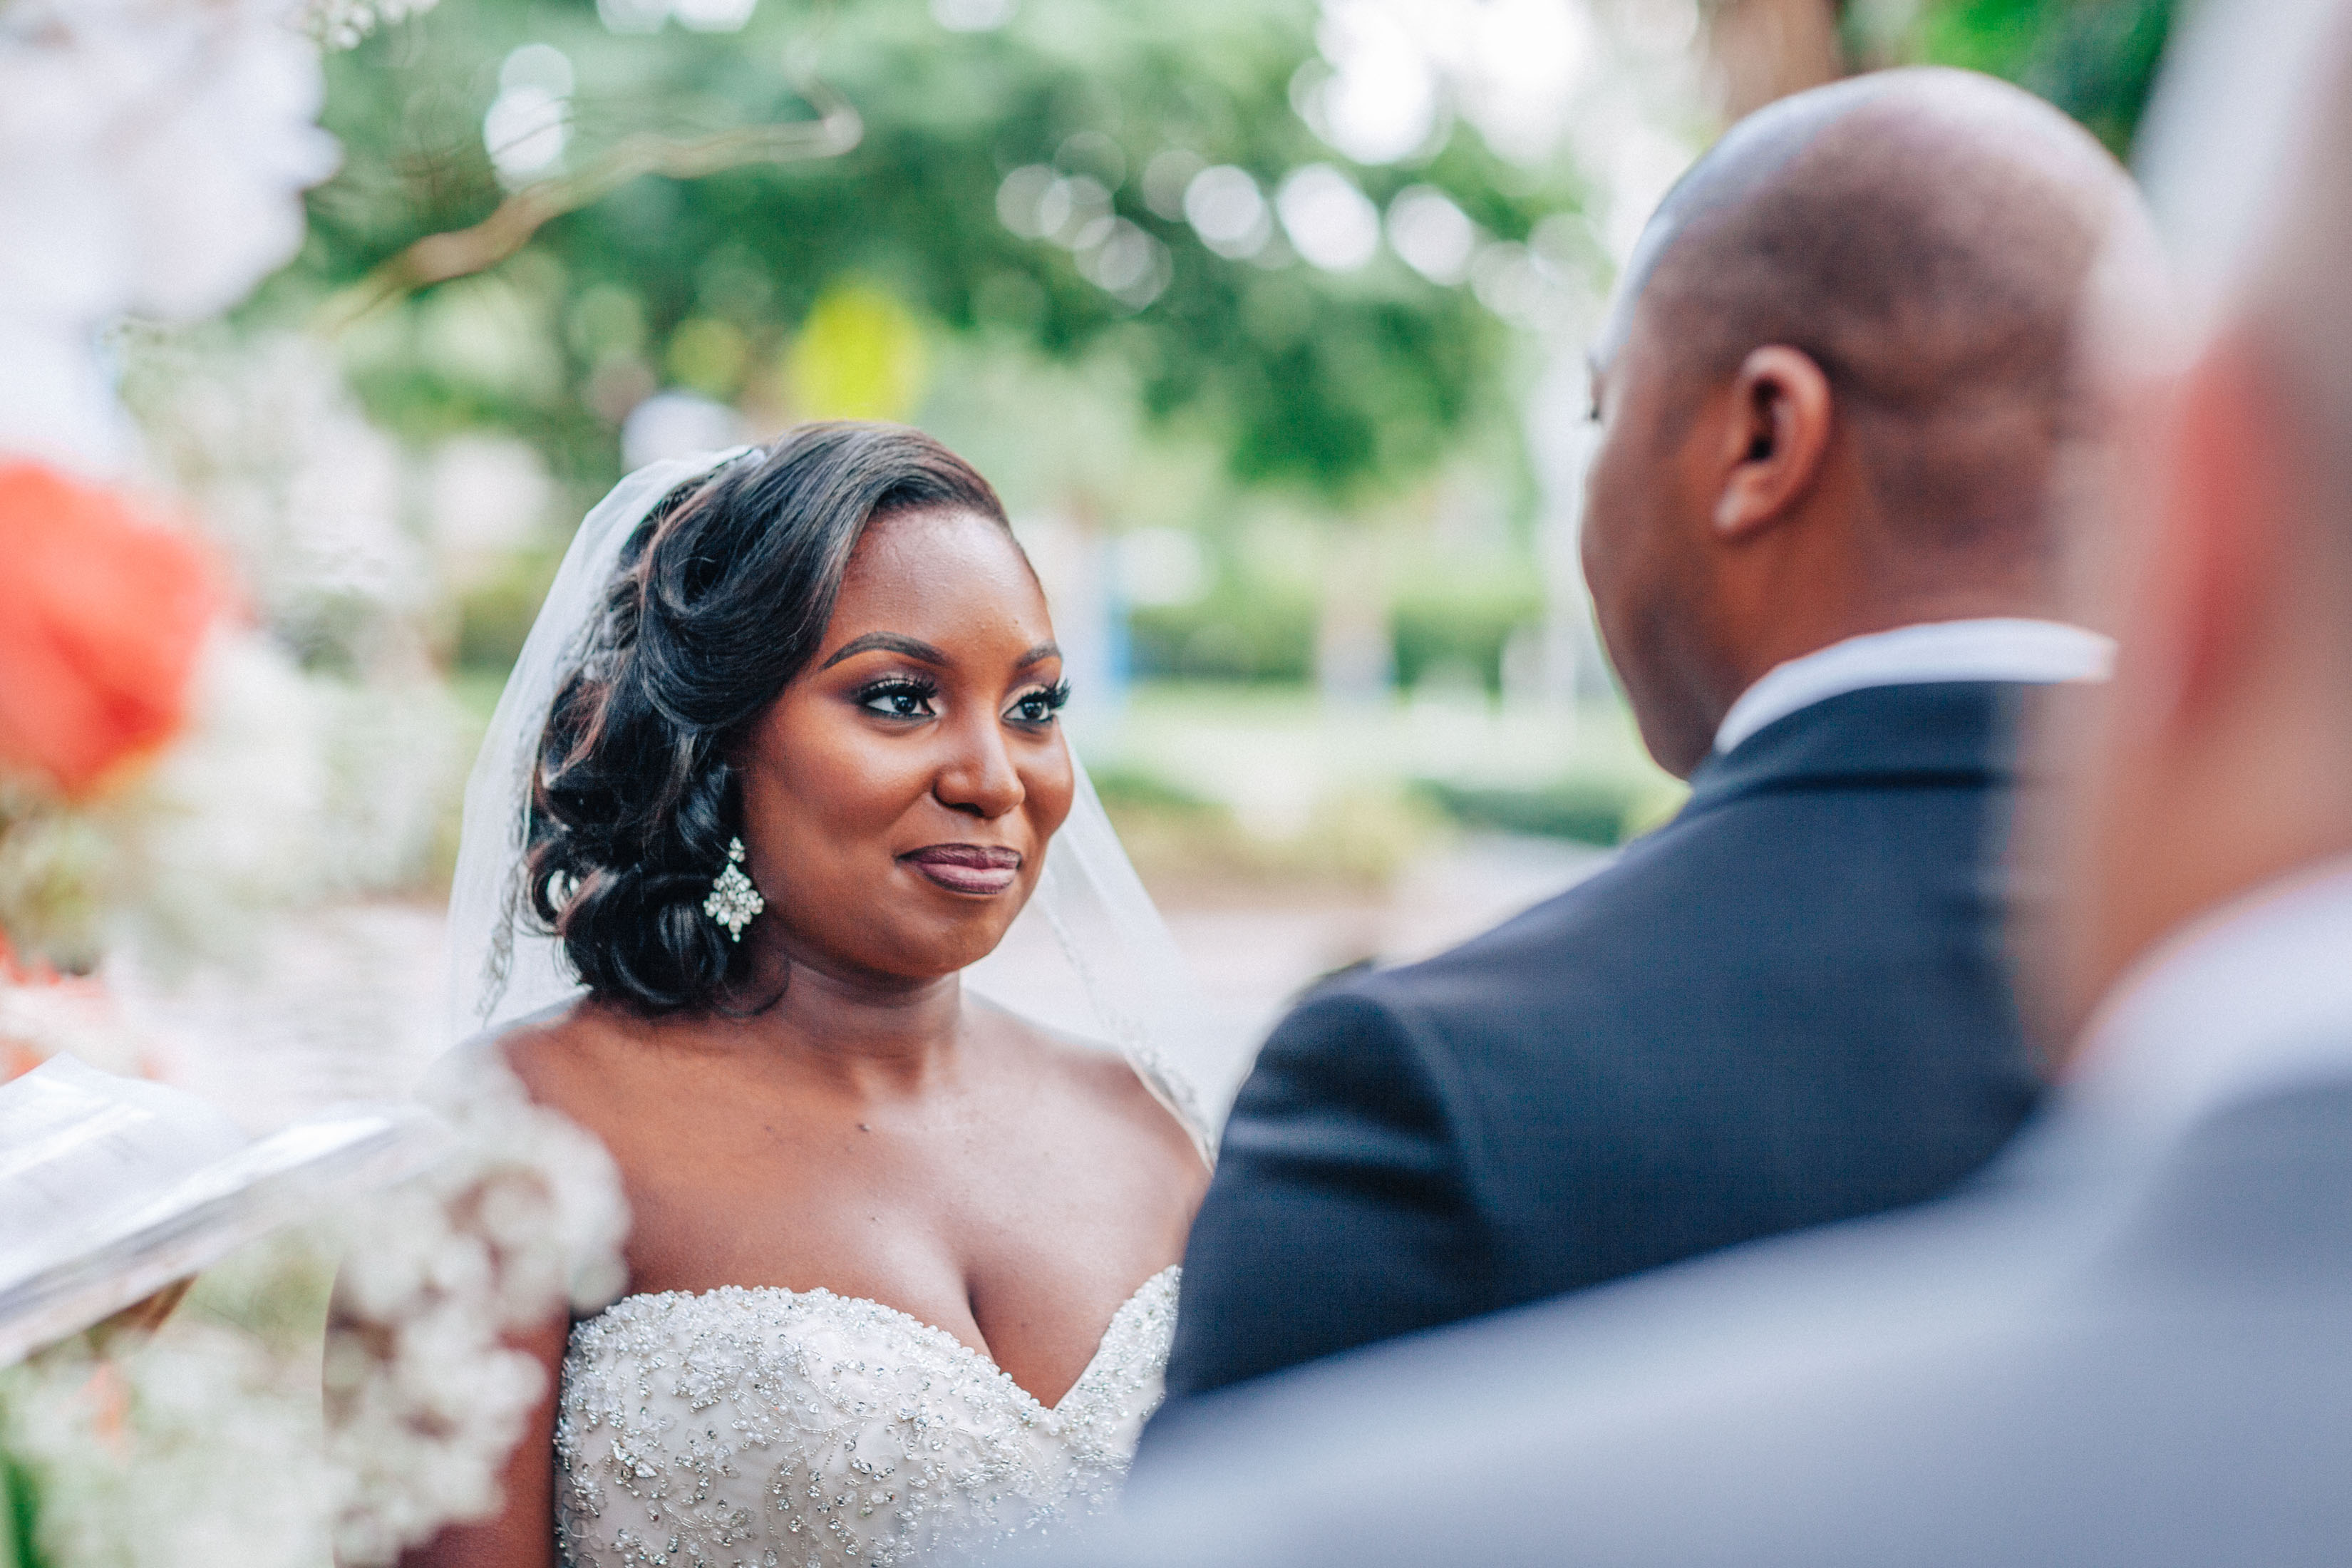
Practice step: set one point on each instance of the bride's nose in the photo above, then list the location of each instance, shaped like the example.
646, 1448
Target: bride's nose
978, 776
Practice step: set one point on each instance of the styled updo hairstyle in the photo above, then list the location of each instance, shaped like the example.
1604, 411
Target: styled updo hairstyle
719, 599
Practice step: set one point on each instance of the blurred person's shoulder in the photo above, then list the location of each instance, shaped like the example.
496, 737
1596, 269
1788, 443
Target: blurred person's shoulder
1688, 1376
1965, 1380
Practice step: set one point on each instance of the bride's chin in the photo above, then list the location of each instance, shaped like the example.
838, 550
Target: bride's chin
935, 942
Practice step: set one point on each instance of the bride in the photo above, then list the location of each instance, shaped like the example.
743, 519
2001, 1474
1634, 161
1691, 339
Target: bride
781, 763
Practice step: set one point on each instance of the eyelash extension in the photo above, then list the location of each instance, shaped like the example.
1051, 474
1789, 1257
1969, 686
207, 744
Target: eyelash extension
921, 690
899, 685
1053, 697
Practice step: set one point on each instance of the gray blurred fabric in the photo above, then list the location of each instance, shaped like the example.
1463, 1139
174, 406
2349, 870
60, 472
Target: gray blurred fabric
2129, 1342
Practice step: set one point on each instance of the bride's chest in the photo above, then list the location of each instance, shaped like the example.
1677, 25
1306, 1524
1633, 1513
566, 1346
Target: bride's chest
741, 1414
1028, 1264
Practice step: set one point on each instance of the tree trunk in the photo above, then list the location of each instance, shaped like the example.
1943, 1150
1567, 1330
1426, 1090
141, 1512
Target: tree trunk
1764, 49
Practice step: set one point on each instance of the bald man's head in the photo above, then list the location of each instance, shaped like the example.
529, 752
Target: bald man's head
1918, 244
1925, 237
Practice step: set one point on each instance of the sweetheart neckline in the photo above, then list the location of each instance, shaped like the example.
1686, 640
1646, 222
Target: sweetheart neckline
983, 1357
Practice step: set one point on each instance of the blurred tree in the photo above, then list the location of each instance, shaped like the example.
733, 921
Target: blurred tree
1022, 176
1764, 49
2096, 60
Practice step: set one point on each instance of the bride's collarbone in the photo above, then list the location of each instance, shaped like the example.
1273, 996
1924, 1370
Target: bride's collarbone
1003, 1126
953, 1240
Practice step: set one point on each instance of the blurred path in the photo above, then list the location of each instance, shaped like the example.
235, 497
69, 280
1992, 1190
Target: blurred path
1253, 958
345, 1005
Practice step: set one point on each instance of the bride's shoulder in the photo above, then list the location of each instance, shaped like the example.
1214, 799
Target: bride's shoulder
1094, 1074
521, 1059
1042, 1049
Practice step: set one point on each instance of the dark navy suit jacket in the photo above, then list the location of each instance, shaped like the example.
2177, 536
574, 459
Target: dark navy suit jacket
1788, 1006
2126, 1344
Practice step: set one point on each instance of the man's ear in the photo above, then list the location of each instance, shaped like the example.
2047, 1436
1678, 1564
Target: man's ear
2209, 579
1775, 428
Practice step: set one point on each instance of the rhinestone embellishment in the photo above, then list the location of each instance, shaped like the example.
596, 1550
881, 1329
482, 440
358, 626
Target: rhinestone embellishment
801, 1429
733, 900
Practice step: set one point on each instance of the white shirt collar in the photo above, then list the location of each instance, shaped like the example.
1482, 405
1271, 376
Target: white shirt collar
2255, 997
2041, 652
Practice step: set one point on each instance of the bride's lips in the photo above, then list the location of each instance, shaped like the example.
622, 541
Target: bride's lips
967, 867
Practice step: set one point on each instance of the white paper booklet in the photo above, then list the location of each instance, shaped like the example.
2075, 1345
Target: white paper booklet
112, 1188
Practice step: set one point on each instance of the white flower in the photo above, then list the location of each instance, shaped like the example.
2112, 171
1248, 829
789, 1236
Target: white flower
339, 24
521, 1223
152, 153
197, 1449
229, 825
182, 862
271, 450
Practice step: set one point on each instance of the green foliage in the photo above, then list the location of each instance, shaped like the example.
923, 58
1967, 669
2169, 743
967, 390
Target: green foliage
53, 864
1125, 787
1588, 810
1251, 628
19, 1516
1355, 840
1456, 621
1261, 627
2096, 60
495, 615
1335, 385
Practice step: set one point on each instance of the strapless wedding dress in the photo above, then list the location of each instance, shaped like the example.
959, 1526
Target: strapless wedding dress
799, 1428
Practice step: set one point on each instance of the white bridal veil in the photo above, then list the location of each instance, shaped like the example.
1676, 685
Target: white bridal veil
1090, 957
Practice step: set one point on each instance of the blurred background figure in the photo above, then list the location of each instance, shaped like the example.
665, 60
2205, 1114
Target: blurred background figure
1823, 550
2128, 1342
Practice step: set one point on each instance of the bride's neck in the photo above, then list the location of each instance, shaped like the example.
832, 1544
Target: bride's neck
857, 1026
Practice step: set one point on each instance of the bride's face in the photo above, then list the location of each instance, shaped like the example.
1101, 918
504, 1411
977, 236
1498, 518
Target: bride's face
898, 797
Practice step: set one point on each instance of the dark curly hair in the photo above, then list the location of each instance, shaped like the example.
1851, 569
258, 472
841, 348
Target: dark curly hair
719, 600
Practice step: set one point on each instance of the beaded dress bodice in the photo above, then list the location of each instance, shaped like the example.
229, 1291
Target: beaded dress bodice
799, 1428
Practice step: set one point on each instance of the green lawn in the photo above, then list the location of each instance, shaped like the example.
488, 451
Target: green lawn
1277, 755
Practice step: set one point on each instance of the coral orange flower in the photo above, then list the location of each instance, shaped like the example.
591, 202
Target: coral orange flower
102, 613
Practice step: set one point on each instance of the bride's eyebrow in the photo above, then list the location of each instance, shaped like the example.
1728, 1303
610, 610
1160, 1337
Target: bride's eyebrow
889, 642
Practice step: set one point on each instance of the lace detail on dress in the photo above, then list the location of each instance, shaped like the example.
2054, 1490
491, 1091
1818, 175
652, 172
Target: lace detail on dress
794, 1429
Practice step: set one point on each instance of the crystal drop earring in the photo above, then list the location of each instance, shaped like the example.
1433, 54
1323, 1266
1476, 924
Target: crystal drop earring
734, 901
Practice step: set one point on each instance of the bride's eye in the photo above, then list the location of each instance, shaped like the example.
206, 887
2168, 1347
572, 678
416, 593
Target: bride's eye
1039, 704
899, 699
